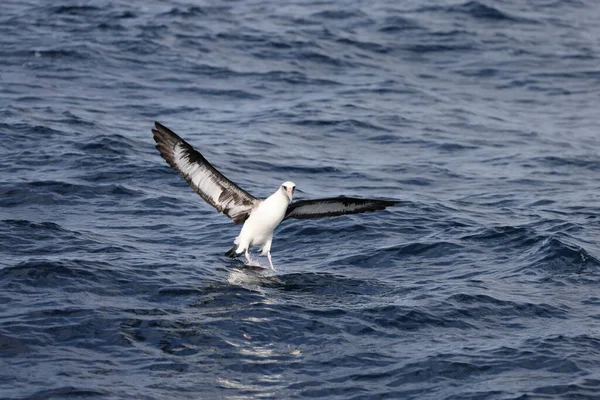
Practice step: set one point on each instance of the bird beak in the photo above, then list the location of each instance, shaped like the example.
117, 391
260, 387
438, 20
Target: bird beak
290, 192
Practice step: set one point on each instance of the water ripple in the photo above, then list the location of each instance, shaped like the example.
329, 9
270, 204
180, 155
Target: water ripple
479, 117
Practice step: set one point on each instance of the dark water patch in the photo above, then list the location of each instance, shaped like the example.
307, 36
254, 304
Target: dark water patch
341, 125
339, 14
584, 162
172, 336
369, 46
71, 119
38, 58
74, 275
67, 392
30, 131
134, 51
64, 188
410, 319
318, 230
75, 10
561, 259
114, 144
358, 360
423, 249
587, 342
488, 309
541, 203
440, 48
33, 227
325, 284
432, 368
47, 238
11, 346
123, 14
236, 36
462, 367
568, 391
300, 169
296, 78
495, 200
45, 273
384, 139
479, 11
113, 26
158, 203
18, 196
383, 257
106, 176
81, 328
179, 291
593, 74
62, 54
63, 193
514, 237
559, 226
220, 93
455, 147
320, 58
197, 11
397, 24
289, 168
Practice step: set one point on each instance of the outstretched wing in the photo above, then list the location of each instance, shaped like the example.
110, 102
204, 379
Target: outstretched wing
210, 184
331, 207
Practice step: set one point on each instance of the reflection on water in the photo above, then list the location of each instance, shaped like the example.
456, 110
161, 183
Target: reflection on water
252, 278
267, 382
270, 354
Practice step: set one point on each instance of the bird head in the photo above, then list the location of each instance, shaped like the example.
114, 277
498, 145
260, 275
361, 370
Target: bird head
288, 189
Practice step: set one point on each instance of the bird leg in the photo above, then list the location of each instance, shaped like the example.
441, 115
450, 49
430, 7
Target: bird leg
266, 250
248, 259
270, 261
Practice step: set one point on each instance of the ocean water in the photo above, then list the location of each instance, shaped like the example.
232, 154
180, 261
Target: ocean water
481, 118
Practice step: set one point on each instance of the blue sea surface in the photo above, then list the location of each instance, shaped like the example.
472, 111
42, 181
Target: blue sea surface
480, 117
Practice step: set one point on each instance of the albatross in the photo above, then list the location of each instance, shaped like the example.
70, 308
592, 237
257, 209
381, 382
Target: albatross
259, 217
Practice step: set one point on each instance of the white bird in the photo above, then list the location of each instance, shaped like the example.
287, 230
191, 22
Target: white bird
260, 217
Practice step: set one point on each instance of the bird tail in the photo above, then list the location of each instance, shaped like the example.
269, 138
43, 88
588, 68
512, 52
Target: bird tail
232, 253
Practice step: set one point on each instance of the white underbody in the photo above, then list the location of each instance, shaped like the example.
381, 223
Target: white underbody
258, 228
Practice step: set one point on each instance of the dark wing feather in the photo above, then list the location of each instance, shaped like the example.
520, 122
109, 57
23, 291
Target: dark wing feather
332, 207
210, 184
